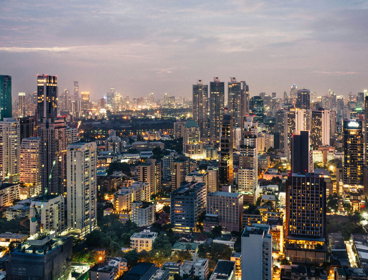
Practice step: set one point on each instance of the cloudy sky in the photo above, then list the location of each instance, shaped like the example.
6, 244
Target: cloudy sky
142, 46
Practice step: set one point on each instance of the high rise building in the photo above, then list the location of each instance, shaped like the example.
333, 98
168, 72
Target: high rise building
228, 207
192, 144
82, 187
366, 141
150, 172
9, 150
47, 214
188, 203
248, 164
217, 103
300, 153
303, 99
256, 250
30, 163
238, 101
256, 106
27, 127
46, 98
143, 213
320, 129
21, 104
85, 101
76, 106
305, 227
46, 116
51, 261
200, 108
353, 153
5, 97
180, 168
226, 166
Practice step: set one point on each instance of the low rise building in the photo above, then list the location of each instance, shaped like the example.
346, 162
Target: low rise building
143, 241
224, 270
196, 268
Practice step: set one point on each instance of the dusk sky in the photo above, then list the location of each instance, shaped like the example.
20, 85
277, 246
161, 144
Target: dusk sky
163, 46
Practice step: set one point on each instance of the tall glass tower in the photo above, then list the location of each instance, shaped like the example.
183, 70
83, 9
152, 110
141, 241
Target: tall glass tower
5, 97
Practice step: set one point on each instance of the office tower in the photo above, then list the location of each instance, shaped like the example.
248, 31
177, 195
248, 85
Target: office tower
65, 101
51, 261
47, 214
180, 168
76, 100
238, 101
200, 108
228, 207
49, 159
9, 150
27, 127
300, 153
303, 99
217, 103
46, 98
188, 203
46, 116
167, 165
5, 97
256, 250
305, 228
320, 129
353, 153
21, 104
192, 144
85, 101
280, 132
82, 187
256, 106
150, 172
226, 166
143, 213
30, 163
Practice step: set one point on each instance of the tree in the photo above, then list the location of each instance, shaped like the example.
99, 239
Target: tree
119, 166
162, 246
216, 231
132, 257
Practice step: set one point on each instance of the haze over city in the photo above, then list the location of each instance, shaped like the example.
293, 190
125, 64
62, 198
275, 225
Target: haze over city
161, 46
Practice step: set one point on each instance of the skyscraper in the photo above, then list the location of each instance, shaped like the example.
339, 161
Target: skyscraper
305, 228
353, 153
5, 97
76, 107
46, 98
21, 104
300, 153
248, 164
226, 167
82, 187
9, 150
200, 108
320, 129
303, 99
217, 103
238, 101
192, 144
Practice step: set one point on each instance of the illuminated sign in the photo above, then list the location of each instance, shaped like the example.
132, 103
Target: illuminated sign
353, 124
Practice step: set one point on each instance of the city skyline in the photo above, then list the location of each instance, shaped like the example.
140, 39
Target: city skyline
160, 47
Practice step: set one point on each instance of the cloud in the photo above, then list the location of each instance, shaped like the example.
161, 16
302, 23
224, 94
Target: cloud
34, 49
336, 73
